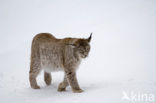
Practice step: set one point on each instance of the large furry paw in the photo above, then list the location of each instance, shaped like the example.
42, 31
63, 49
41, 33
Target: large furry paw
61, 89
48, 82
35, 87
77, 90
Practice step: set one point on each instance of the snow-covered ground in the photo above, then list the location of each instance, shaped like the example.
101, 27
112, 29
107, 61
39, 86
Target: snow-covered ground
122, 58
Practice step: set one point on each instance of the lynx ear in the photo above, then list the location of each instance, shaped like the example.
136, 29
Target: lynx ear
90, 37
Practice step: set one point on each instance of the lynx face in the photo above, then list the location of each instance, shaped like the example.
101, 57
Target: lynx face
83, 48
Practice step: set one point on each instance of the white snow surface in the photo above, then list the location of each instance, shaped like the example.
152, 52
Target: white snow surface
122, 57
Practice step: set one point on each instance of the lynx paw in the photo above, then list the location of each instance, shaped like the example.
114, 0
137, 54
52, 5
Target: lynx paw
36, 87
61, 89
77, 90
48, 82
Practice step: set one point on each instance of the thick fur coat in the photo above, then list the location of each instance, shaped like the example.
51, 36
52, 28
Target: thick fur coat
51, 54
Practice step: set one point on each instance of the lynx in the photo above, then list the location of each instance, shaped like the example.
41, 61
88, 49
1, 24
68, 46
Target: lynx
51, 54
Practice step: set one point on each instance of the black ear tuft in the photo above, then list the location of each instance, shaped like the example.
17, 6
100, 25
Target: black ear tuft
90, 37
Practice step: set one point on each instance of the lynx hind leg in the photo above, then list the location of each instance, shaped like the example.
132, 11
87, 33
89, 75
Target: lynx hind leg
62, 86
47, 78
33, 73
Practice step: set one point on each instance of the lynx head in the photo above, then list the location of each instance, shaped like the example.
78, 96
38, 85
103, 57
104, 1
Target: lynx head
82, 47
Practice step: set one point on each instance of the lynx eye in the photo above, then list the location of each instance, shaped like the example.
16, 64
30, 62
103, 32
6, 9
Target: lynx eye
87, 48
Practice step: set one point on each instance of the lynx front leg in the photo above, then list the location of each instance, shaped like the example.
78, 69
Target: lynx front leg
34, 71
72, 80
62, 86
47, 78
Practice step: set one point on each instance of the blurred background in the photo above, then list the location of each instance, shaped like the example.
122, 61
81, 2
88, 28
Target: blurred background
123, 46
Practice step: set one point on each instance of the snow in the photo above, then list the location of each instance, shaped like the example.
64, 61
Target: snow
122, 57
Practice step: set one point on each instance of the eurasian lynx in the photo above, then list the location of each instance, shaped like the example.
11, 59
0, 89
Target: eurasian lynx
52, 54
